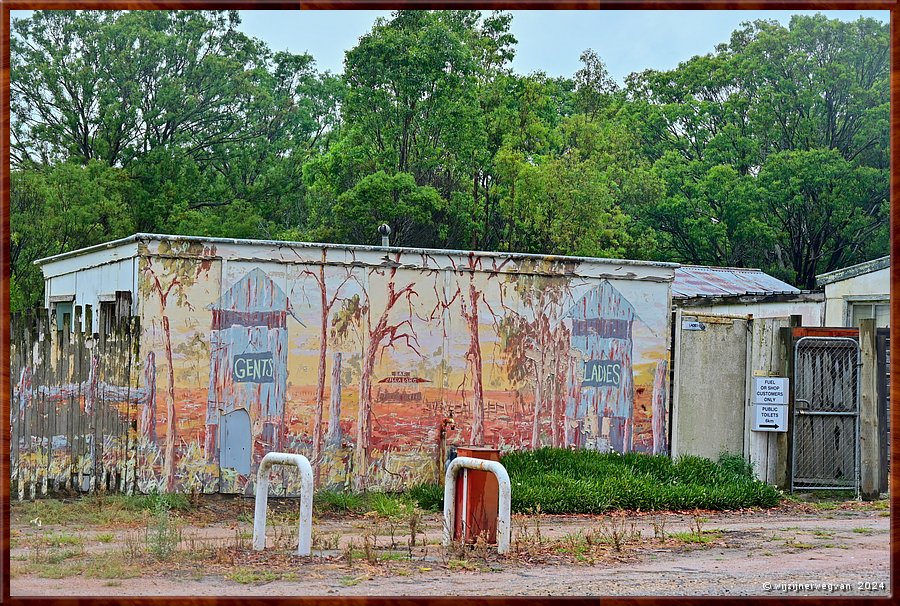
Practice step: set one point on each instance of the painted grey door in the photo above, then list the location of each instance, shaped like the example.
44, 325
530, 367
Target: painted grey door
825, 434
236, 441
710, 385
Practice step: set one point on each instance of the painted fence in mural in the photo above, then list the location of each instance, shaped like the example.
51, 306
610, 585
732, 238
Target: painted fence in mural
75, 405
368, 362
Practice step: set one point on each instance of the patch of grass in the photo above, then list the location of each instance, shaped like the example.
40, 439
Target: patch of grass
350, 581
163, 535
736, 464
62, 539
106, 537
463, 565
792, 542
55, 556
389, 505
573, 544
393, 556
245, 576
584, 481
863, 530
111, 566
825, 534
95, 510
61, 570
337, 502
430, 497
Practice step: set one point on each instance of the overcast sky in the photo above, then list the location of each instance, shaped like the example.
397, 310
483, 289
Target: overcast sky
549, 41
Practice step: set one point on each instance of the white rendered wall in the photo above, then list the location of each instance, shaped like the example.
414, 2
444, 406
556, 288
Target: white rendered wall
874, 287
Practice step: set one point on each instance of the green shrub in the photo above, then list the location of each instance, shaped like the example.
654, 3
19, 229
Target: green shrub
736, 464
388, 505
429, 497
565, 481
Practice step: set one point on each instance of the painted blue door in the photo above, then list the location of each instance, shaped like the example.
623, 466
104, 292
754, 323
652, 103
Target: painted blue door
236, 441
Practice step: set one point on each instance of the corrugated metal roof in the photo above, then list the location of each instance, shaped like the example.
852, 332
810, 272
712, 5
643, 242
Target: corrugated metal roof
698, 280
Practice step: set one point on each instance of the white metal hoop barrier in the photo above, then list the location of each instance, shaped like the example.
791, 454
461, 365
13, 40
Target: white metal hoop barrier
262, 497
503, 514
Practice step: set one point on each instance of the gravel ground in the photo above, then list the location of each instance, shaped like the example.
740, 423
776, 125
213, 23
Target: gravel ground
787, 551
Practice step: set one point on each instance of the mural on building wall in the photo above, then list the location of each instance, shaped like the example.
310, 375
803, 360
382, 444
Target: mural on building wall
360, 366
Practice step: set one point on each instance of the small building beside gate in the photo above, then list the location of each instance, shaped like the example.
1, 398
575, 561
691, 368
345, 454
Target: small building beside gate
263, 345
858, 292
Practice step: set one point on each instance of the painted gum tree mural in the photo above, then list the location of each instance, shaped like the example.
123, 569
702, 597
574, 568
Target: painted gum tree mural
382, 332
471, 297
521, 351
533, 337
327, 303
174, 268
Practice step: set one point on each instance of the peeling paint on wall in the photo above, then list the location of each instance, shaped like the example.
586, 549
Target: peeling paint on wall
355, 357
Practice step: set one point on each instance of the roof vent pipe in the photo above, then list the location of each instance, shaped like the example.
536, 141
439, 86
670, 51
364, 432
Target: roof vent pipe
385, 231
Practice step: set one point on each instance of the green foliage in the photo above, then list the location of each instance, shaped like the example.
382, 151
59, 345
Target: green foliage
338, 502
163, 534
390, 505
565, 481
772, 151
97, 509
154, 502
757, 141
429, 497
736, 464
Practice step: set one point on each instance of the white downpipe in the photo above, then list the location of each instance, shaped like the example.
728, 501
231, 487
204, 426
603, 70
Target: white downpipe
503, 514
262, 498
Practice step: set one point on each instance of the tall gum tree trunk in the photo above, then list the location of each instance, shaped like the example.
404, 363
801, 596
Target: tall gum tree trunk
333, 439
477, 386
170, 410
364, 420
536, 426
320, 386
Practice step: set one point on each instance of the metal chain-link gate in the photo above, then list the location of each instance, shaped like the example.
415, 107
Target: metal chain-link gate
825, 437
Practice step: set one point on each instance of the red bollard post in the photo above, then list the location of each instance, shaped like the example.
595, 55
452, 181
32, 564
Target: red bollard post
477, 498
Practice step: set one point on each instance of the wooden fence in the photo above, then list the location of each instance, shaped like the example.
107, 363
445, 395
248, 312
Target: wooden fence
75, 403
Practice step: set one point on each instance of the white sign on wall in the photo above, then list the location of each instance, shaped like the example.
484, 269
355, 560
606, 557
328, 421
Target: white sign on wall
770, 390
769, 417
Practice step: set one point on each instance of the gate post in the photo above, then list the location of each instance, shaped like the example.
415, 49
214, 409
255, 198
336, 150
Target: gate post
304, 539
868, 414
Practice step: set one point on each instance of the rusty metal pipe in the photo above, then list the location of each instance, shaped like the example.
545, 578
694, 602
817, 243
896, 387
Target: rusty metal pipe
503, 514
